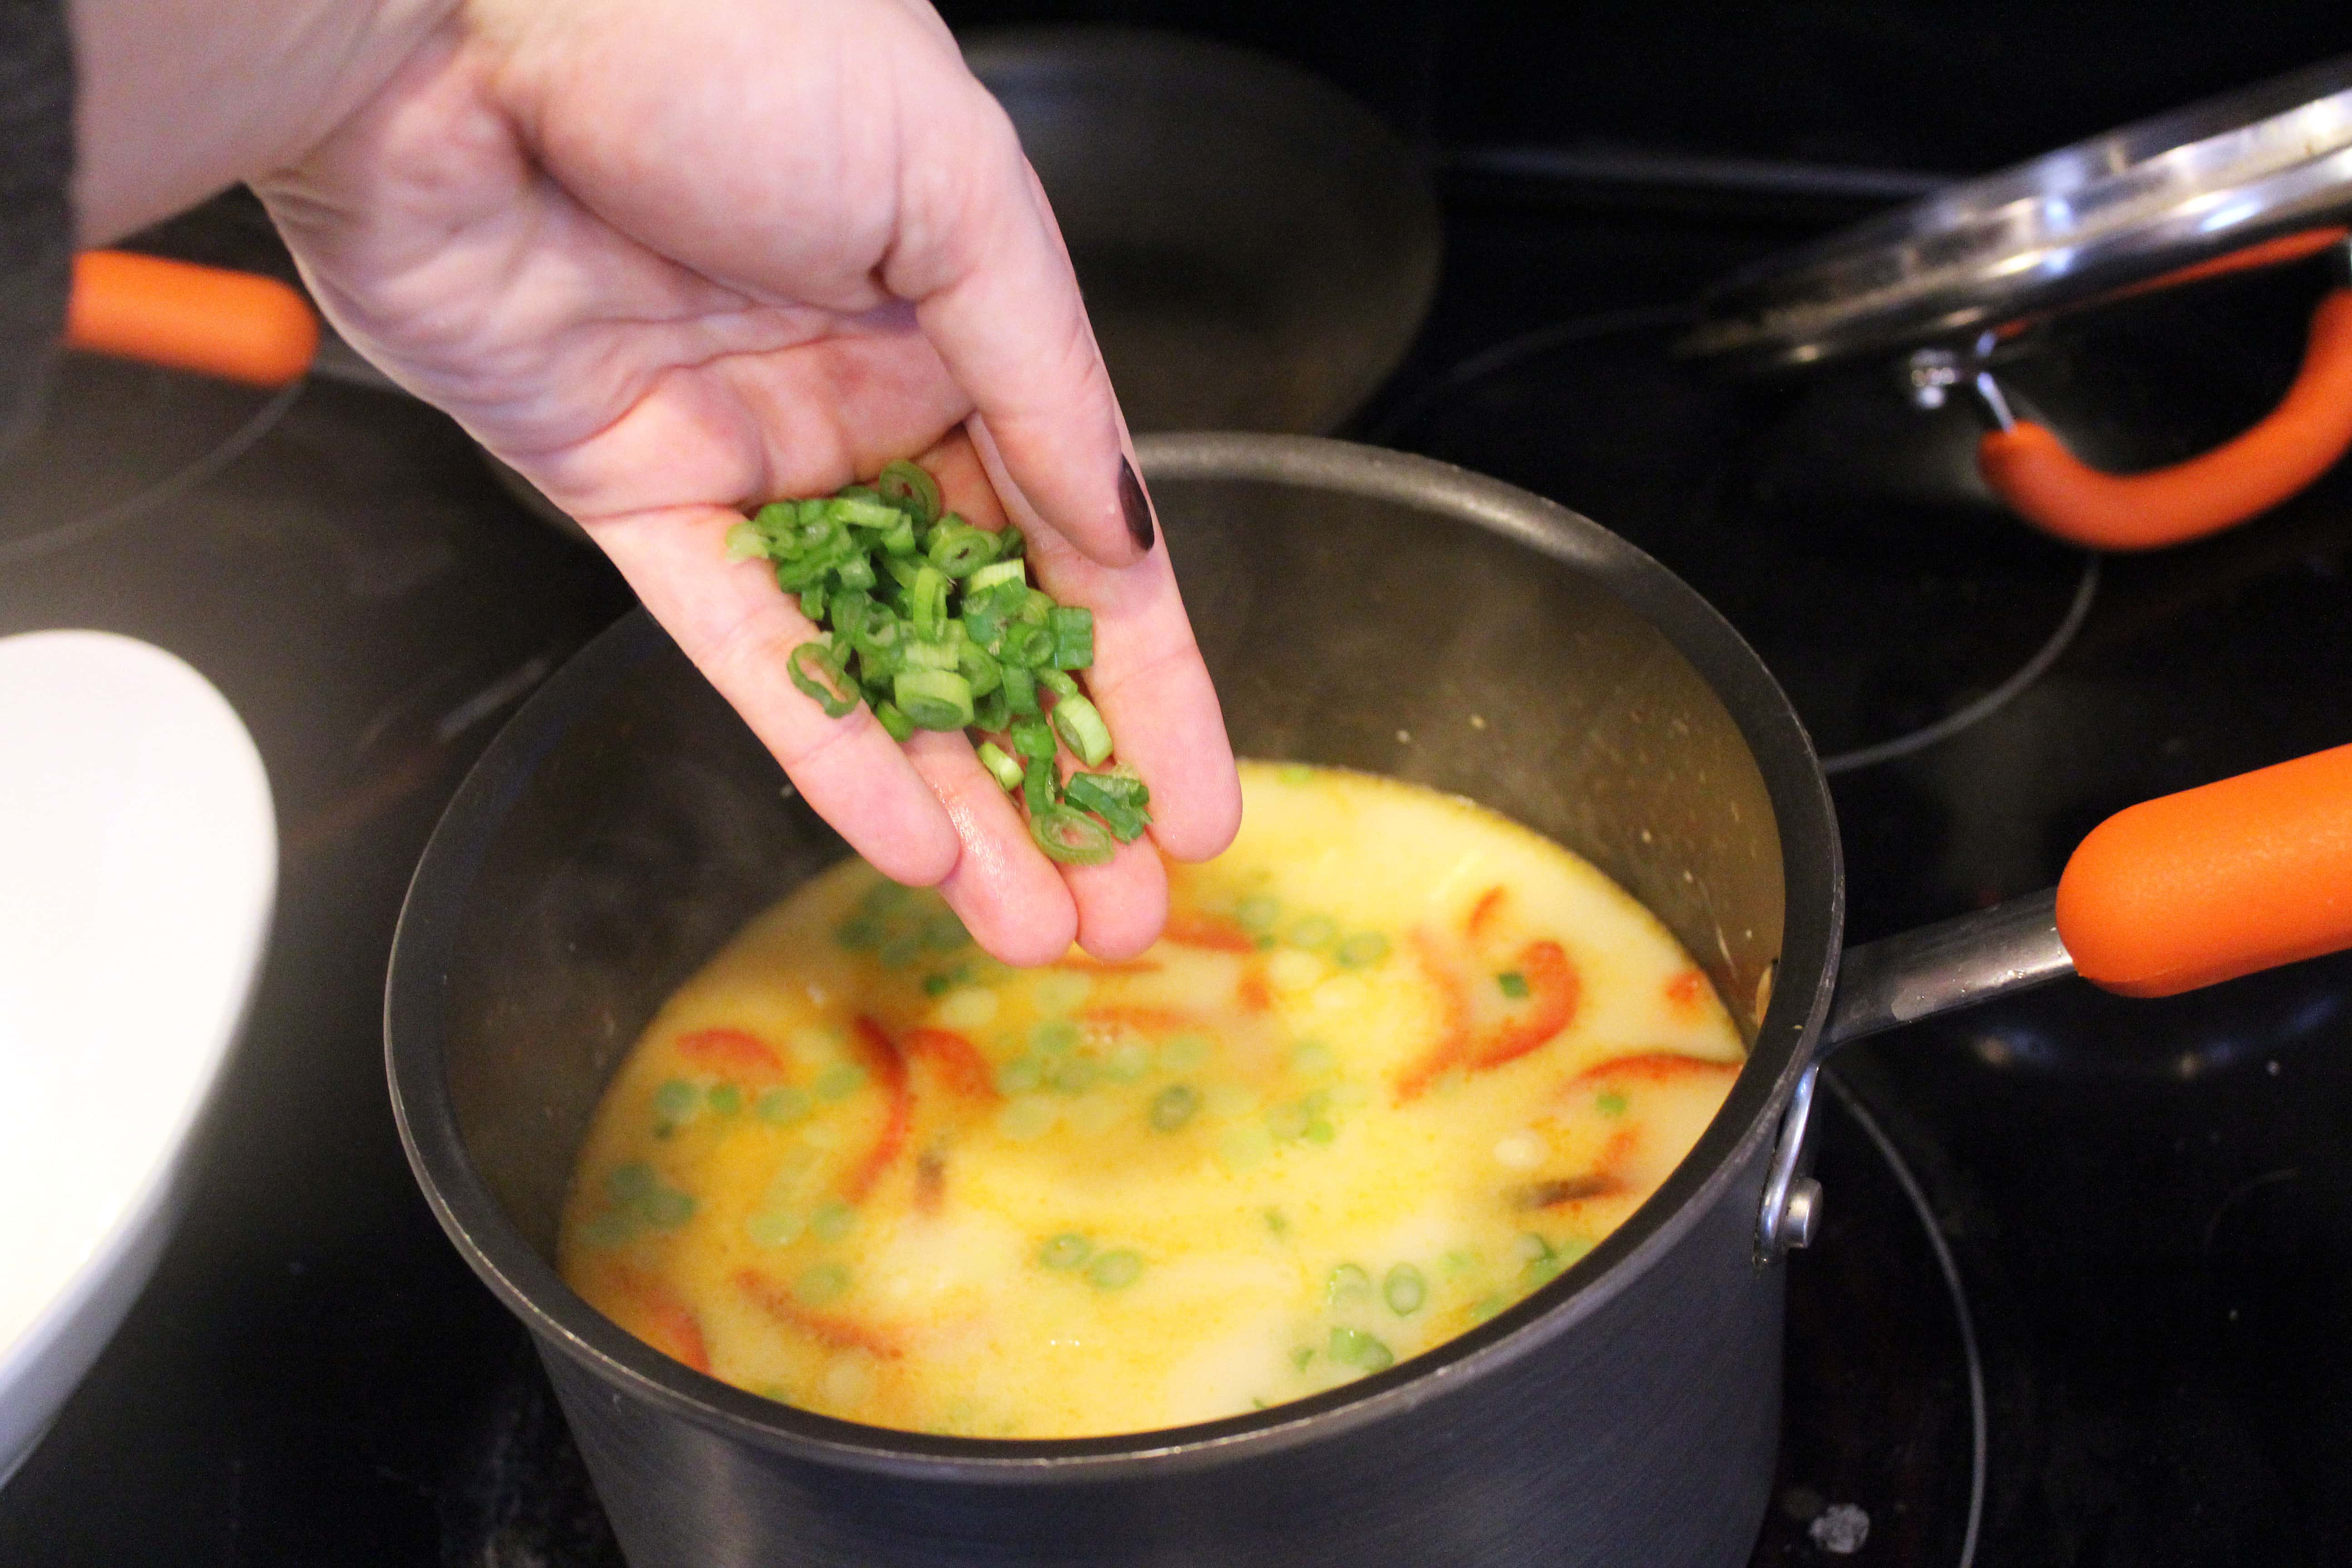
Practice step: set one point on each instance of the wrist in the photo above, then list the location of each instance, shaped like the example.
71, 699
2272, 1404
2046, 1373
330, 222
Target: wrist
179, 98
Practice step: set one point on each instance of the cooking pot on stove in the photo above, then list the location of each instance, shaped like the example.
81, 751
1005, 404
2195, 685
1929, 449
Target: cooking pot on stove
1357, 608
1965, 289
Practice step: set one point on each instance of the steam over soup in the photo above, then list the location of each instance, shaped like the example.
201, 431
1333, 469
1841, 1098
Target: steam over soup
1396, 1062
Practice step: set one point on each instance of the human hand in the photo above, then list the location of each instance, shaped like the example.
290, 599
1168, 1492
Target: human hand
673, 261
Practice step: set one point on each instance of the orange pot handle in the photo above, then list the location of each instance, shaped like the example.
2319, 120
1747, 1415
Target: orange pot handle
2031, 470
2212, 883
233, 325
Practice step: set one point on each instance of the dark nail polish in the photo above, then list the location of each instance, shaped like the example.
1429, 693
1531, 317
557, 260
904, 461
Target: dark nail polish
1133, 503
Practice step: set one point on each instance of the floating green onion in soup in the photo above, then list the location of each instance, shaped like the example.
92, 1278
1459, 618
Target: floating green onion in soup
1395, 1063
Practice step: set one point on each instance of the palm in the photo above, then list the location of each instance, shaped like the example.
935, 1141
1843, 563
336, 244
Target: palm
671, 264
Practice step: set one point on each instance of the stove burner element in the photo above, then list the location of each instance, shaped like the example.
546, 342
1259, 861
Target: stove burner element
1843, 530
180, 430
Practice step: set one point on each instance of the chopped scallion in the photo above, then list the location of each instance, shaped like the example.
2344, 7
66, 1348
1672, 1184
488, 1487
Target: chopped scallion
933, 622
933, 699
1080, 725
912, 485
1007, 770
816, 672
1068, 837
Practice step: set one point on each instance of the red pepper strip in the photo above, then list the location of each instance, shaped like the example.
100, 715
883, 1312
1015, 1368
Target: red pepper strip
961, 1066
1489, 904
833, 1332
1454, 1035
889, 1069
1212, 931
1256, 995
1649, 1067
731, 1050
1554, 988
669, 1326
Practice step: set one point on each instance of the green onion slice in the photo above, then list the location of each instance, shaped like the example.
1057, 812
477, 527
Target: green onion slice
928, 603
1020, 689
744, 542
962, 550
1080, 725
911, 485
995, 571
930, 655
991, 714
1087, 792
984, 673
1028, 647
816, 672
933, 699
1008, 772
1033, 737
1069, 837
1037, 784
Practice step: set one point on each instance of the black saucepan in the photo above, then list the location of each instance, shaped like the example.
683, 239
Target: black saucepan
1357, 608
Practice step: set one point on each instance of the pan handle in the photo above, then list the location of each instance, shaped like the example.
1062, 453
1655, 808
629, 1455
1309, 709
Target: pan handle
1956, 964
2038, 478
2164, 896
233, 325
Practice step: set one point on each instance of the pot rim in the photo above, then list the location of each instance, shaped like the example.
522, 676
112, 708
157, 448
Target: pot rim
531, 1288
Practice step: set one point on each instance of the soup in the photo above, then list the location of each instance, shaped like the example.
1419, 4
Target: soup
1396, 1062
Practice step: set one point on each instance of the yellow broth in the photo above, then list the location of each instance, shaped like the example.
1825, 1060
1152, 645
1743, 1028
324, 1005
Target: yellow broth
1396, 1062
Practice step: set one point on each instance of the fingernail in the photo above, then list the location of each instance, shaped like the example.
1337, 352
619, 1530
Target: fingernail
1133, 503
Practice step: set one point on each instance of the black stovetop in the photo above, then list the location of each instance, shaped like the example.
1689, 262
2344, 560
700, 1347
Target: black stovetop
2148, 1205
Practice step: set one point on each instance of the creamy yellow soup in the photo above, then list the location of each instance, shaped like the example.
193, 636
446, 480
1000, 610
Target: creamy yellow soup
1396, 1062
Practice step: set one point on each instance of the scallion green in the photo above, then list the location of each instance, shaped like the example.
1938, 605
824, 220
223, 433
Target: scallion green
1069, 837
933, 699
1008, 772
932, 621
1082, 729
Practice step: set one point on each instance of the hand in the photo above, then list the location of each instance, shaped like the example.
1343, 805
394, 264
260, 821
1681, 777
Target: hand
671, 261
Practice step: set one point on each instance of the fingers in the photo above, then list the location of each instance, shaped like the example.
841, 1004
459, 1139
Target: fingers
731, 621
1008, 895
1151, 686
1122, 905
978, 250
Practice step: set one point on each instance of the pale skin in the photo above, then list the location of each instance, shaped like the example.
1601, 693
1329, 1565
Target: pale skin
672, 259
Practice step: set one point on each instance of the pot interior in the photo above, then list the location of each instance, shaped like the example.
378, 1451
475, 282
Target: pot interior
627, 825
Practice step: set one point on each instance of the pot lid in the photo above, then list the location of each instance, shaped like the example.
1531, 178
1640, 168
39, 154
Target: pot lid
2114, 210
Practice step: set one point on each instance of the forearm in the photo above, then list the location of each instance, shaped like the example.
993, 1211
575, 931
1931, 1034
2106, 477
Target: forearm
180, 99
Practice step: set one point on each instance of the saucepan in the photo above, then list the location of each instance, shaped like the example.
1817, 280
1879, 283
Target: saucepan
1357, 608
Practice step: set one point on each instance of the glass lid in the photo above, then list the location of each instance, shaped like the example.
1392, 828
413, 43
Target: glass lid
2117, 209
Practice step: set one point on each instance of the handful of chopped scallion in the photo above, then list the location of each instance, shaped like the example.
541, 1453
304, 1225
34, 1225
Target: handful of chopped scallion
934, 623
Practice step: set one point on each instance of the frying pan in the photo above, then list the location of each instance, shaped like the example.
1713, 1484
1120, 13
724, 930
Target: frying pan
625, 825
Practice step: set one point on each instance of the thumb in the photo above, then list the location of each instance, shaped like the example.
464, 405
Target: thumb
980, 254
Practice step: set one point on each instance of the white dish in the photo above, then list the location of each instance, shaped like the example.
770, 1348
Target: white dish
138, 862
